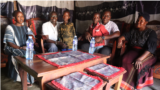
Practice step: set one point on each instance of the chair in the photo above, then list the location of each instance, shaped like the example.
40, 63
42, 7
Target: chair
35, 24
4, 57
113, 43
155, 25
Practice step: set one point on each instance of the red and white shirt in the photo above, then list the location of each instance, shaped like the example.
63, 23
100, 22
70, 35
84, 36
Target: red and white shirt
98, 30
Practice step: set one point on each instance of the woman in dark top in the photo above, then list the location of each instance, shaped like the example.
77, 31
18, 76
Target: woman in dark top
139, 58
15, 45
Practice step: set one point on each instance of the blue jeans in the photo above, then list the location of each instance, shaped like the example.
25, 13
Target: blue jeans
51, 47
96, 49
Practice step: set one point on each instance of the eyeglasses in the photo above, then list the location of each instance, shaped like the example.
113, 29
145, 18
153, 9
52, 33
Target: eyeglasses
54, 16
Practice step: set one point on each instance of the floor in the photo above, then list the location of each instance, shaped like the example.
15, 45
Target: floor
9, 84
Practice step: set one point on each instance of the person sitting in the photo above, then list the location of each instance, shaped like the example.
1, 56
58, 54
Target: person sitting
95, 30
50, 31
138, 58
66, 31
15, 45
112, 29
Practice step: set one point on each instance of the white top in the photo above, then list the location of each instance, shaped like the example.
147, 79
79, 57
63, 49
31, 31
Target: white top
111, 27
50, 30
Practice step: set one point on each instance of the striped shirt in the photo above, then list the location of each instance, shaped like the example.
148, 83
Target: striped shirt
17, 34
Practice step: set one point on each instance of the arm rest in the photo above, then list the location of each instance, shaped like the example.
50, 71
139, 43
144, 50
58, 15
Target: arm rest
114, 43
41, 39
123, 47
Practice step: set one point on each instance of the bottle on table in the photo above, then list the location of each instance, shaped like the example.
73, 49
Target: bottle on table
75, 43
92, 46
29, 48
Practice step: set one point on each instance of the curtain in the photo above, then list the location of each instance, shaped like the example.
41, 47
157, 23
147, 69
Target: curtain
121, 10
151, 7
7, 8
42, 9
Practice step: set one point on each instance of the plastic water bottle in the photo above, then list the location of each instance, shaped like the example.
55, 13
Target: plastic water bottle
92, 45
75, 43
29, 48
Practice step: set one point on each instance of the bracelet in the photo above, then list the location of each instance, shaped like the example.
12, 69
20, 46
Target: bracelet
103, 37
56, 42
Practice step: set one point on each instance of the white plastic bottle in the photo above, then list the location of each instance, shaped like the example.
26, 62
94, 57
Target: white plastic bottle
92, 46
29, 48
75, 43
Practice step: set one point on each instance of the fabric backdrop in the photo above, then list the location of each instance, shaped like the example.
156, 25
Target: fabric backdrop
41, 9
121, 10
151, 7
7, 8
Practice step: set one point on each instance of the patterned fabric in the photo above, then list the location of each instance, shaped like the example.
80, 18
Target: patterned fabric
67, 58
146, 39
7, 8
137, 78
77, 81
16, 35
42, 9
156, 28
105, 71
66, 34
156, 70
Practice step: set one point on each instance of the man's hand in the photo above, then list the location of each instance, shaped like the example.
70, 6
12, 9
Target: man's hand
36, 44
88, 36
62, 44
24, 47
98, 39
120, 41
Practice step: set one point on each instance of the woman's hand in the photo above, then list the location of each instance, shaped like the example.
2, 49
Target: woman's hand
120, 41
98, 39
88, 36
138, 64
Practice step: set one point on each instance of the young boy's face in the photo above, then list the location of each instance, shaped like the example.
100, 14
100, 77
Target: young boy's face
19, 18
96, 18
66, 16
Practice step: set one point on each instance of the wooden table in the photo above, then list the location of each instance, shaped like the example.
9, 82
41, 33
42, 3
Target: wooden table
116, 80
110, 81
44, 72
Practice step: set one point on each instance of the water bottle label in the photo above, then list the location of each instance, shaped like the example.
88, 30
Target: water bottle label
74, 41
92, 45
30, 45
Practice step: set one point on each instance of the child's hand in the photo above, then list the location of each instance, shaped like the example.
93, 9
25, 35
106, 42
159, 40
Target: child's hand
98, 39
88, 36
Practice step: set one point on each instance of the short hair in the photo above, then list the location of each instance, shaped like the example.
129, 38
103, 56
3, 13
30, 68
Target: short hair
96, 13
106, 10
66, 11
50, 15
14, 14
145, 15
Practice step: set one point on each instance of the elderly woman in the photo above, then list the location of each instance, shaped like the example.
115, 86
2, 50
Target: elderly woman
139, 58
15, 45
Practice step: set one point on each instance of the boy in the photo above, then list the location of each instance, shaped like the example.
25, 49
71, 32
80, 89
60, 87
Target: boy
95, 30
66, 31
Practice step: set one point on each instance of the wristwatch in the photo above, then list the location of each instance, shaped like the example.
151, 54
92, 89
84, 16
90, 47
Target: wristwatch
56, 42
103, 37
